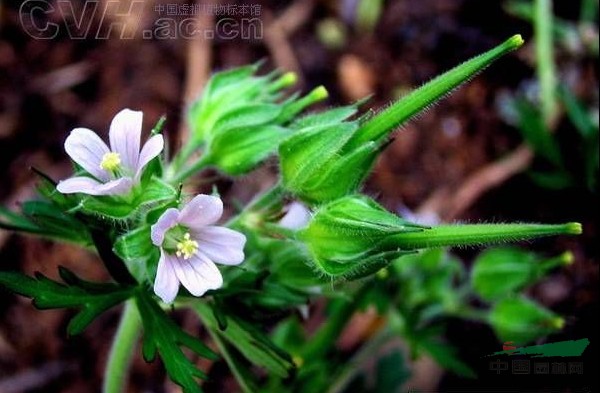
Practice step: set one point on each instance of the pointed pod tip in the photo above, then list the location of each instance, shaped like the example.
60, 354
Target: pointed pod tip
319, 93
557, 323
289, 78
567, 258
573, 228
515, 41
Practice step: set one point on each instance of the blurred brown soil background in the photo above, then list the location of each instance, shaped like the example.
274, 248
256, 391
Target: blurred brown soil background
48, 87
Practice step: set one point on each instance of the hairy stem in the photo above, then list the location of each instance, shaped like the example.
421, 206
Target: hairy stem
544, 55
122, 350
366, 353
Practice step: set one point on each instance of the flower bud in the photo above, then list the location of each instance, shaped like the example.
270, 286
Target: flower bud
521, 320
501, 272
345, 237
240, 119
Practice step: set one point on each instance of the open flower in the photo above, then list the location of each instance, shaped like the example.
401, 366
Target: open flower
116, 170
189, 246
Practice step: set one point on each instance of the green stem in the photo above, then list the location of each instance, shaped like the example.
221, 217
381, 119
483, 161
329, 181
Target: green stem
367, 353
202, 163
275, 230
383, 123
544, 55
122, 350
262, 203
321, 342
477, 234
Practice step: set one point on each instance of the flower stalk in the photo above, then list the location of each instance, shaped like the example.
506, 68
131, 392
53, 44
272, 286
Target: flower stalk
122, 350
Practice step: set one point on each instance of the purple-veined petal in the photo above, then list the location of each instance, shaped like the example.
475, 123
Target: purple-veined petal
296, 217
166, 284
151, 149
87, 149
201, 211
114, 187
165, 222
221, 245
198, 274
124, 134
82, 184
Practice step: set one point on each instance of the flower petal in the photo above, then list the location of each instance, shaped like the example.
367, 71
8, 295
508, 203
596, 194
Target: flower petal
86, 185
297, 216
222, 245
166, 284
87, 149
114, 187
201, 211
198, 274
165, 222
124, 134
151, 149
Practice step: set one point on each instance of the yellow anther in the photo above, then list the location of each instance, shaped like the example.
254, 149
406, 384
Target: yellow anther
187, 247
110, 162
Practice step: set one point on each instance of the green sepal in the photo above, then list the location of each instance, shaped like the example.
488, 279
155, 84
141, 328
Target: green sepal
341, 176
328, 117
308, 153
290, 266
155, 192
135, 248
238, 150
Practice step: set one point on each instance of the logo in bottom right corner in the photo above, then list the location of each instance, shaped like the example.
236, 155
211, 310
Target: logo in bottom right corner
539, 365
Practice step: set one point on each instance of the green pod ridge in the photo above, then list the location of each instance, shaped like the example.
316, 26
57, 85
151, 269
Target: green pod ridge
340, 176
382, 124
345, 237
331, 116
478, 234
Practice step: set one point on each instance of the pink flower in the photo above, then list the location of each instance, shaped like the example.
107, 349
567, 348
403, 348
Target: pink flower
190, 245
116, 170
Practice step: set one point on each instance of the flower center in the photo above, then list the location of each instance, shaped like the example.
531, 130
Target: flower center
110, 162
187, 247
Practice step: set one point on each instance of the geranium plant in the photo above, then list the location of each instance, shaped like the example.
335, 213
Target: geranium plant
249, 279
